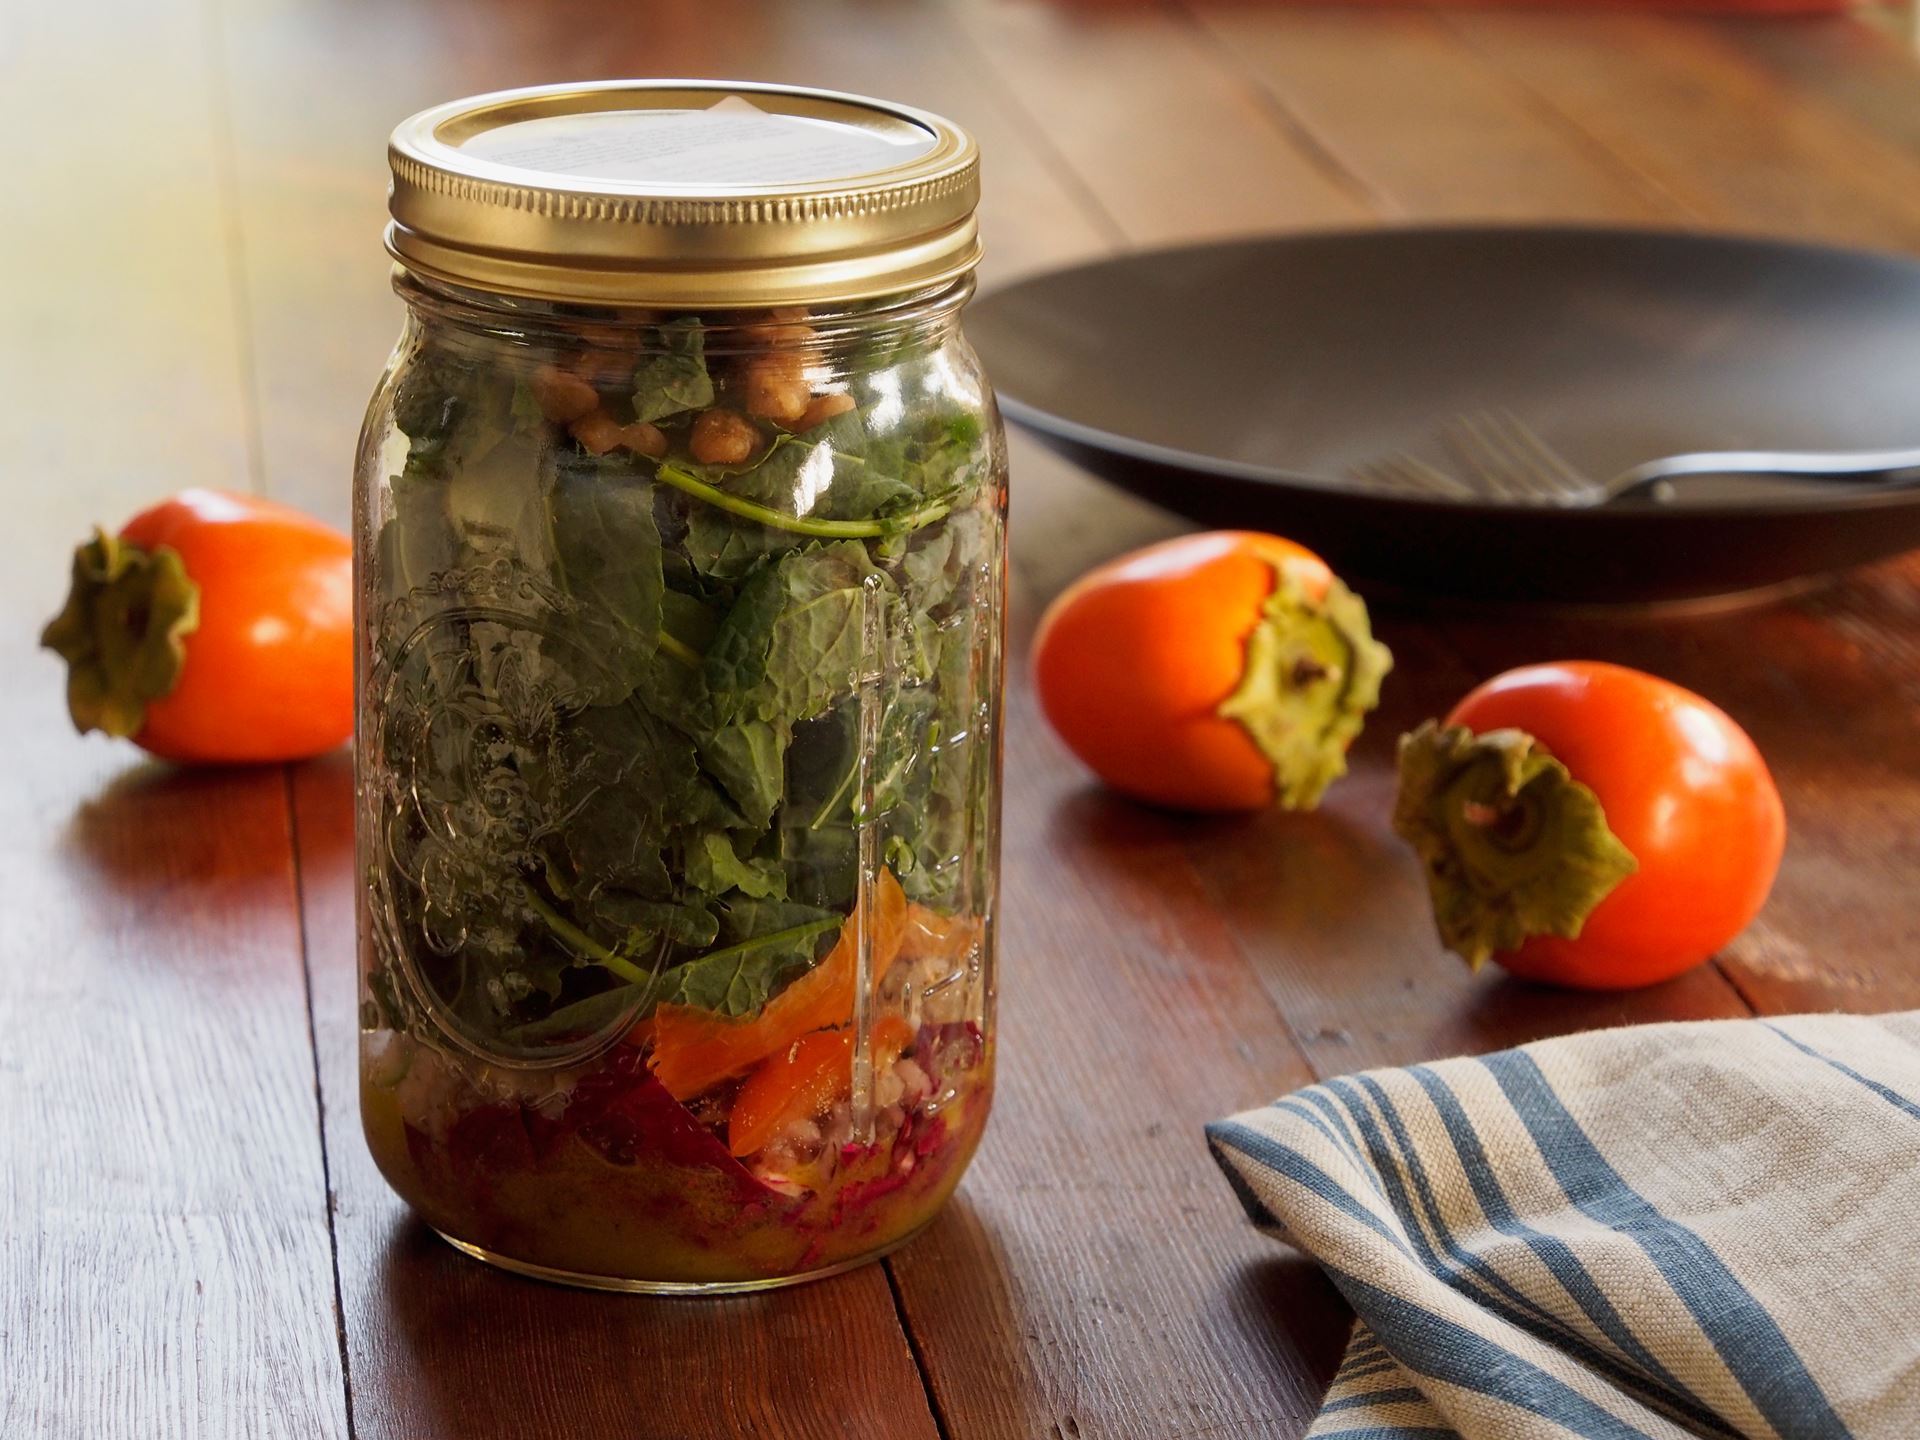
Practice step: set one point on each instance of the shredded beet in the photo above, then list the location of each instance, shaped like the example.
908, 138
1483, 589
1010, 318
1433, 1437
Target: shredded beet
930, 1139
627, 1115
862, 1193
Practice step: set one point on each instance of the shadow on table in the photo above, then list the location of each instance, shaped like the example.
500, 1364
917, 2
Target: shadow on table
128, 832
449, 1347
155, 825
1297, 1304
1098, 821
446, 1347
1504, 1011
1330, 910
1053, 1316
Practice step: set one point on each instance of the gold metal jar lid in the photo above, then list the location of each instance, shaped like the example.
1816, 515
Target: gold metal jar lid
683, 193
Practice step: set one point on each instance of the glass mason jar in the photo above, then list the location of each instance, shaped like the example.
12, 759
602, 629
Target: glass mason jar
680, 626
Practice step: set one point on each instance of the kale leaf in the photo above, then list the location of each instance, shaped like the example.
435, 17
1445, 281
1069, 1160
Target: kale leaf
673, 379
606, 556
629, 741
715, 866
801, 634
769, 943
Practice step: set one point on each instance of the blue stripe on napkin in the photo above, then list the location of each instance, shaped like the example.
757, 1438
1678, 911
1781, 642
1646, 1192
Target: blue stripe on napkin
1739, 1325
1885, 1092
1669, 1231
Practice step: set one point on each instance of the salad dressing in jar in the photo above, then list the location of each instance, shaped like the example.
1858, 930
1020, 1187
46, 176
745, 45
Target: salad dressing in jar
679, 524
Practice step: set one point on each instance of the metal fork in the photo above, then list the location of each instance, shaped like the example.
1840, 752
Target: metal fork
1504, 460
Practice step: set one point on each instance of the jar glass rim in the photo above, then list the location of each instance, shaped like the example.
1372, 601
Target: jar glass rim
504, 315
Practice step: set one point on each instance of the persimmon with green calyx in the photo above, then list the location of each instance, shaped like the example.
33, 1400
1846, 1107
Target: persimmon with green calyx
1222, 671
214, 628
1589, 825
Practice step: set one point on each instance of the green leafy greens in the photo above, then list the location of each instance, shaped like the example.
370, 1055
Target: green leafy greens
674, 379
634, 721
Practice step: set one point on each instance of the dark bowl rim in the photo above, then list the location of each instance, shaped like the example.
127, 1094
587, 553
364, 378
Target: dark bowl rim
1172, 458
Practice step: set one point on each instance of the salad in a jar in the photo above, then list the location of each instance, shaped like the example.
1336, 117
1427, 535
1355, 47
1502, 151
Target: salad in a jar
680, 676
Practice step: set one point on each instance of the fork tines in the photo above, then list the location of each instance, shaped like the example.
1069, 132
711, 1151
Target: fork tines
1511, 461
1500, 457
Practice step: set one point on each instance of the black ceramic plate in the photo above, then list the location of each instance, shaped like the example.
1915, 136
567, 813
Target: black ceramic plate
1238, 384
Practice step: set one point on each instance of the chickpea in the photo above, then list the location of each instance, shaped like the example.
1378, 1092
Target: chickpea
562, 398
611, 351
823, 408
784, 325
644, 439
775, 386
723, 437
623, 335
598, 431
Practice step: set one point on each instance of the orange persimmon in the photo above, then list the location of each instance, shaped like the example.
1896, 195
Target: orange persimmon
213, 628
1589, 825
1222, 671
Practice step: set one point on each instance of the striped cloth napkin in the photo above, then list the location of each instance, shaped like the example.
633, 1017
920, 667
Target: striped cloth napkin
1672, 1230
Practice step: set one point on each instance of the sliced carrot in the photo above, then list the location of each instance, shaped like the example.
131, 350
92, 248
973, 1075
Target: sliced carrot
796, 1084
889, 924
804, 1079
694, 1050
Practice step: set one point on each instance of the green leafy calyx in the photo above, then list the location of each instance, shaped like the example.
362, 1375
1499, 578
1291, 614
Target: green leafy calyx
1513, 845
123, 631
1313, 671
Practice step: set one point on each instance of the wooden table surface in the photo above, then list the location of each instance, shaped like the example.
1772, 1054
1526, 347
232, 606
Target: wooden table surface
193, 1240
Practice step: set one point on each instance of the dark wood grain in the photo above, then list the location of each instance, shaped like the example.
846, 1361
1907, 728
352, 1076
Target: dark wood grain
1424, 123
1864, 72
180, 1170
1166, 139
1704, 123
165, 1268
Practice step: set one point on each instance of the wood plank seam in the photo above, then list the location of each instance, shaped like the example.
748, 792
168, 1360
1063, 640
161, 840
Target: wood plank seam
1685, 104
1072, 184
1540, 103
233, 230
233, 234
1741, 992
319, 1092
1292, 126
916, 1348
